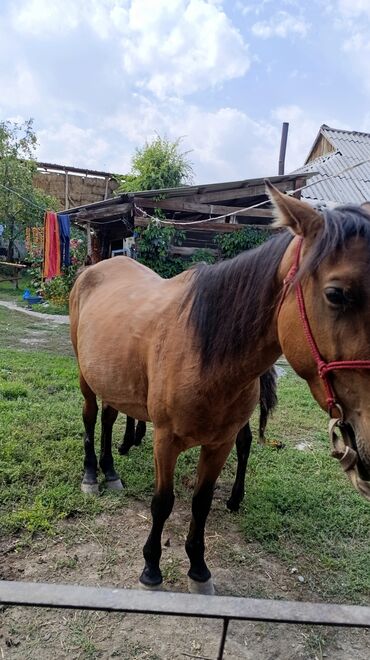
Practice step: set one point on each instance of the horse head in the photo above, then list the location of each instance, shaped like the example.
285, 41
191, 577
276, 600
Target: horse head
324, 319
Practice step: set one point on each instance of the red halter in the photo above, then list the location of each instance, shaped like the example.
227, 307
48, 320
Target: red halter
323, 367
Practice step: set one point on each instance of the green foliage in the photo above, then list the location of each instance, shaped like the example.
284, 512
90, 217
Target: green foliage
202, 255
235, 242
154, 250
154, 244
159, 164
57, 290
17, 169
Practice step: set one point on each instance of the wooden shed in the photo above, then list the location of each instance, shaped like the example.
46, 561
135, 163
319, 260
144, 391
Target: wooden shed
200, 211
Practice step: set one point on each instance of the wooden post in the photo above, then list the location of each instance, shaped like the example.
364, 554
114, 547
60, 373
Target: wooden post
106, 187
88, 237
284, 138
66, 200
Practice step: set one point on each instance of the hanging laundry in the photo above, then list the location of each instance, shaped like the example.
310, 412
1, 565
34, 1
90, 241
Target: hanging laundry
65, 235
51, 266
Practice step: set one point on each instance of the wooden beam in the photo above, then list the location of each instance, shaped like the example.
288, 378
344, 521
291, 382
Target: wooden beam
238, 193
88, 239
220, 227
187, 251
104, 213
66, 200
182, 204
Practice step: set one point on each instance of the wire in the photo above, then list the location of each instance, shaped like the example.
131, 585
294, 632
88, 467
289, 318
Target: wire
198, 222
28, 201
247, 208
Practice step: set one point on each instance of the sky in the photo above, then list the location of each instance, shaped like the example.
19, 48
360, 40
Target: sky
101, 77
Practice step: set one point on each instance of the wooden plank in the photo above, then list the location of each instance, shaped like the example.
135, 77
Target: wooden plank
141, 601
208, 209
105, 213
9, 263
238, 193
52, 167
186, 251
216, 227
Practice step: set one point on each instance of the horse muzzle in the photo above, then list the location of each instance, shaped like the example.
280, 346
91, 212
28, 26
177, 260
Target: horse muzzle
344, 447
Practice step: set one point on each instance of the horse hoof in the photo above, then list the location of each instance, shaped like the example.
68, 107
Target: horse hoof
205, 588
114, 484
123, 451
90, 489
151, 587
233, 506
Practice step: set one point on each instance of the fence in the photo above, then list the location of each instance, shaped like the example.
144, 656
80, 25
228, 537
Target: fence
225, 608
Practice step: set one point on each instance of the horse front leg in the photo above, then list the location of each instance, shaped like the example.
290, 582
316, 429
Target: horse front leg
165, 457
243, 447
211, 462
89, 414
108, 417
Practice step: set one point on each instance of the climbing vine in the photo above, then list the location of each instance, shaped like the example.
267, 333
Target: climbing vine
154, 244
235, 242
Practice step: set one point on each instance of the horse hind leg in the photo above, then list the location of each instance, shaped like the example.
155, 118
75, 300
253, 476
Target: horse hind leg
129, 437
268, 400
243, 447
89, 414
108, 417
211, 462
140, 432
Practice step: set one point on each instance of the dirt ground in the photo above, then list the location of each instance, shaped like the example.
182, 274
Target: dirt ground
108, 552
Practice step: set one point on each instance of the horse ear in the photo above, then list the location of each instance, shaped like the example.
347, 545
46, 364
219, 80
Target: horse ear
366, 207
291, 212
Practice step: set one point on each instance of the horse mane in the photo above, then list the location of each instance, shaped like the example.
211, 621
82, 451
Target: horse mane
233, 301
340, 226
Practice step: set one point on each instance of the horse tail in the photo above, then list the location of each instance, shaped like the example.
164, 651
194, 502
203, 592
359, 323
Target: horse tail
268, 398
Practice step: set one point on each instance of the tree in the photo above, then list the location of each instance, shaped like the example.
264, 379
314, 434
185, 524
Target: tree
21, 203
159, 164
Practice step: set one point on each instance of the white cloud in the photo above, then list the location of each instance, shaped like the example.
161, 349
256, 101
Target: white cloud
351, 8
171, 48
40, 17
281, 25
182, 46
354, 24
71, 145
19, 87
225, 144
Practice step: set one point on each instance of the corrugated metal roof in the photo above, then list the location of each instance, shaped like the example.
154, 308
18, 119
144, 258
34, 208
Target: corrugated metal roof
188, 190
346, 187
211, 187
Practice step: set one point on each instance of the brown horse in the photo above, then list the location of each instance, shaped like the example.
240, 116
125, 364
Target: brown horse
187, 353
135, 433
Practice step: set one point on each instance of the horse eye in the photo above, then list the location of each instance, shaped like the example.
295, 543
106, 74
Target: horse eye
336, 296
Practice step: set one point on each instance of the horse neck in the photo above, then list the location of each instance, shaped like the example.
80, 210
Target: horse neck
260, 354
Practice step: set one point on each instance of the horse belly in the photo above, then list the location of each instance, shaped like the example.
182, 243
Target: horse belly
111, 360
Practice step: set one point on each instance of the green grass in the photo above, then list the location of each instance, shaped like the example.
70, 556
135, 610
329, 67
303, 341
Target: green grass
299, 505
8, 290
50, 308
9, 293
27, 333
